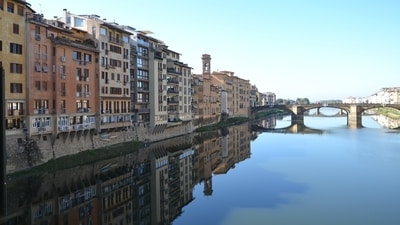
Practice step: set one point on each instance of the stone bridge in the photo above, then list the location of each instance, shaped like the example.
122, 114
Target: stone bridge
354, 111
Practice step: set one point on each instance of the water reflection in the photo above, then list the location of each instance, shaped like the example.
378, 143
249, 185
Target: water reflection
149, 186
387, 122
268, 125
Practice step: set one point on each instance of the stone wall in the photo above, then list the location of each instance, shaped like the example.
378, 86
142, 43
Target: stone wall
52, 147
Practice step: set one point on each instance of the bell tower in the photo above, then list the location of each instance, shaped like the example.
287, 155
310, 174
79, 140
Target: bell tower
206, 59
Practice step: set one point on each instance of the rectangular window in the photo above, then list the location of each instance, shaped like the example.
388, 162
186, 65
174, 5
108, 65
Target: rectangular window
103, 31
10, 7
1, 4
1, 45
16, 48
20, 10
76, 55
63, 90
44, 85
37, 85
88, 57
45, 68
15, 87
15, 28
15, 68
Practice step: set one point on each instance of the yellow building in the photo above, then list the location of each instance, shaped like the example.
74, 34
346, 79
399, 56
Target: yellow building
13, 60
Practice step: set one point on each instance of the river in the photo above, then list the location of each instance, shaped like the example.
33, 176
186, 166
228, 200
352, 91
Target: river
324, 174
344, 176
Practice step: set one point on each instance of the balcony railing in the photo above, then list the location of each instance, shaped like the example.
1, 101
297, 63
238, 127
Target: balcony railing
115, 40
172, 101
15, 112
171, 90
171, 70
41, 111
174, 81
83, 110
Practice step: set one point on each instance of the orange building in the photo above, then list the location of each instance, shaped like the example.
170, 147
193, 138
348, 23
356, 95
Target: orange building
62, 79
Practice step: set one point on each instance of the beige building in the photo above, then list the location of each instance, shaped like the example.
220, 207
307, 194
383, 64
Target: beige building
219, 93
238, 92
160, 83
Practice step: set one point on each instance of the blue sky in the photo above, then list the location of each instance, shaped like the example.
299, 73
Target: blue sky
320, 49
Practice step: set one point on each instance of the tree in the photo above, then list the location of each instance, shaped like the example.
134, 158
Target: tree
302, 101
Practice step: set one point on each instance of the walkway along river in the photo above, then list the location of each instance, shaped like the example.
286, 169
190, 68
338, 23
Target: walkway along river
231, 176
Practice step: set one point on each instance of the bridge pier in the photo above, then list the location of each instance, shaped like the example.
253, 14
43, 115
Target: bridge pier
354, 118
297, 115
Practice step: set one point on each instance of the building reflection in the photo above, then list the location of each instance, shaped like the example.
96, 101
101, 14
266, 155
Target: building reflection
149, 186
219, 151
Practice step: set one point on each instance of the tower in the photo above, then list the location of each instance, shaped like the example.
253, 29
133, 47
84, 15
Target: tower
206, 63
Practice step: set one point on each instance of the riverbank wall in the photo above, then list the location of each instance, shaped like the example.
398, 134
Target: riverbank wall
47, 147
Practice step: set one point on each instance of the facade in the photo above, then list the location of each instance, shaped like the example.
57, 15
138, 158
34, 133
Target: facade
62, 79
113, 70
178, 88
387, 95
13, 55
270, 98
253, 98
238, 92
208, 95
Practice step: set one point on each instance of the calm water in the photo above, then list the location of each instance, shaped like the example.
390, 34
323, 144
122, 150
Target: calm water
344, 176
325, 174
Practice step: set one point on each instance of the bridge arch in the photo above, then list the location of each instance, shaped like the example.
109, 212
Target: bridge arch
354, 111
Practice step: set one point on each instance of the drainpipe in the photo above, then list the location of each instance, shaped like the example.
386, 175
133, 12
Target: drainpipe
3, 161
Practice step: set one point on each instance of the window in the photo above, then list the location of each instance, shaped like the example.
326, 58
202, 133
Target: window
76, 55
1, 45
38, 67
63, 90
79, 22
10, 7
88, 57
45, 68
15, 87
44, 85
37, 85
103, 31
1, 4
125, 39
16, 48
20, 10
15, 28
15, 68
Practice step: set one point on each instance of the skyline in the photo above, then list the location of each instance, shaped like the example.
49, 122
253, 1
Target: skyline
318, 49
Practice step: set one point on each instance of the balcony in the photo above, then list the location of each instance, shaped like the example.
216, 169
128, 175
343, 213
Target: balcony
15, 112
172, 101
172, 90
83, 110
171, 70
173, 81
116, 40
143, 110
41, 111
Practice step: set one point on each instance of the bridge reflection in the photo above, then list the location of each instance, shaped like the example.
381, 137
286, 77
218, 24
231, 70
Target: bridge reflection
296, 127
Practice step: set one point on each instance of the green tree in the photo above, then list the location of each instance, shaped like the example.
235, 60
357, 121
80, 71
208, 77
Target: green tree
302, 101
